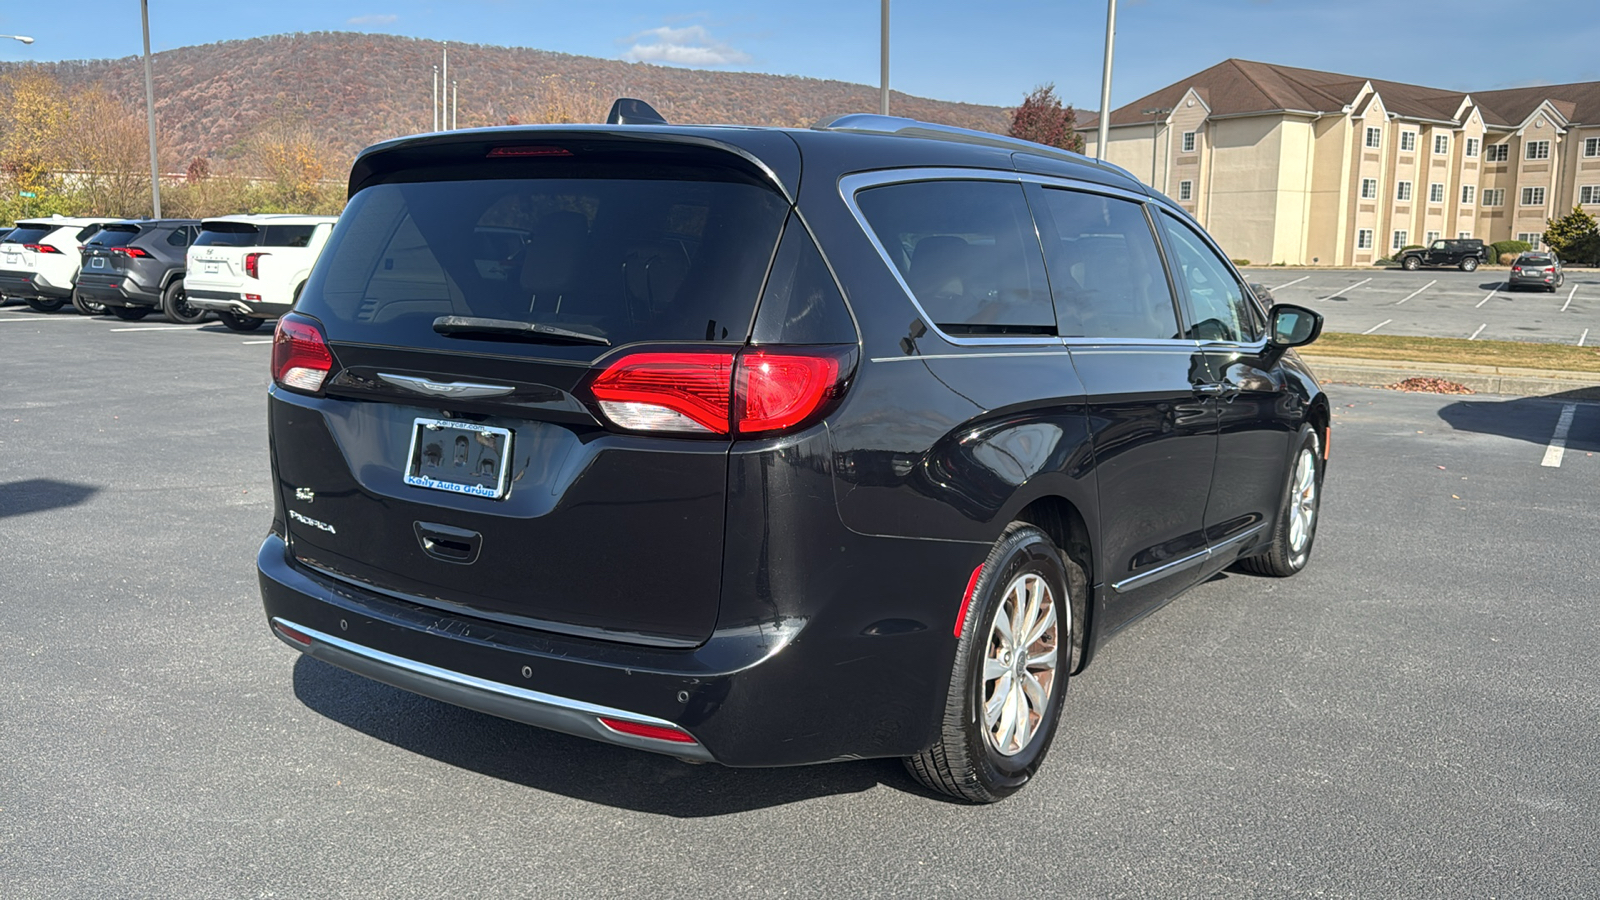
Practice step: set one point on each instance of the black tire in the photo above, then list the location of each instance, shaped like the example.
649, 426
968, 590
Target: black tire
45, 304
1410, 264
85, 306
175, 304
129, 313
1470, 264
236, 322
965, 762
1289, 552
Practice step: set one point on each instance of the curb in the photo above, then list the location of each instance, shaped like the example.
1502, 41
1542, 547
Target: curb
1482, 379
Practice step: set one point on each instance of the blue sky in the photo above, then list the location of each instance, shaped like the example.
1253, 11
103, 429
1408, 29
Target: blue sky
981, 51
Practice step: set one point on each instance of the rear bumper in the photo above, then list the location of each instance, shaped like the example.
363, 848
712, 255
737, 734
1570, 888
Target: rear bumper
117, 290
1530, 281
229, 301
30, 286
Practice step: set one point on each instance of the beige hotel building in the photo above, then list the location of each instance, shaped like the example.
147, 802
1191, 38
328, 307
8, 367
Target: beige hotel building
1296, 166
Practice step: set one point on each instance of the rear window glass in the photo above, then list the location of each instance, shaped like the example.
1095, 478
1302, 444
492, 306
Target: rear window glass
288, 236
627, 260
228, 234
968, 251
1536, 259
30, 234
114, 236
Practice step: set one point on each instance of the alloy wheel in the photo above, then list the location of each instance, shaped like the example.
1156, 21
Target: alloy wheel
1303, 501
1019, 666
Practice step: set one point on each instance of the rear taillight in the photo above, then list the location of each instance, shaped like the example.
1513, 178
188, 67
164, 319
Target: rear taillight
300, 357
41, 248
134, 252
755, 391
252, 264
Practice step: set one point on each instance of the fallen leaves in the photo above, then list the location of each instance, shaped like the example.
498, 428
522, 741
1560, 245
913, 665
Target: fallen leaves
1429, 385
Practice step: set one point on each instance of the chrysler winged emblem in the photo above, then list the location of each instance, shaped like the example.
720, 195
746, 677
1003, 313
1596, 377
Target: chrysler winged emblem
459, 390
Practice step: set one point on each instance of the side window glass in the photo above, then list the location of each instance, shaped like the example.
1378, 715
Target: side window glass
1216, 299
969, 252
179, 237
1105, 271
802, 303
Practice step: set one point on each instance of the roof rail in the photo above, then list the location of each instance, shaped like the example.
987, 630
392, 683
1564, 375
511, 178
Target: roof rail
872, 123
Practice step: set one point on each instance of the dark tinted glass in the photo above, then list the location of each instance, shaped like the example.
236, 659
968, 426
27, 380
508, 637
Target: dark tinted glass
802, 303
630, 260
178, 237
89, 231
30, 234
1105, 270
1216, 299
288, 236
228, 234
114, 236
969, 252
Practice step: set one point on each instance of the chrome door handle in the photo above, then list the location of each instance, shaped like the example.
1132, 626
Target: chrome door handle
1216, 389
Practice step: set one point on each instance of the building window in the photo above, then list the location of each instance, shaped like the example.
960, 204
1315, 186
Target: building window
1436, 193
1537, 150
1399, 240
1533, 196
1185, 190
1532, 239
1408, 141
1468, 194
1441, 144
1403, 191
1463, 235
1188, 142
1497, 153
1589, 194
1432, 236
1494, 196
1472, 147
1591, 146
1369, 188
1374, 138
1364, 239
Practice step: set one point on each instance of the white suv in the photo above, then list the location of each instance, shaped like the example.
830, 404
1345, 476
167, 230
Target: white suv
250, 268
39, 260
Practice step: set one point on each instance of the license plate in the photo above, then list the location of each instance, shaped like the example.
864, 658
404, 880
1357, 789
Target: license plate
99, 262
460, 457
211, 268
13, 259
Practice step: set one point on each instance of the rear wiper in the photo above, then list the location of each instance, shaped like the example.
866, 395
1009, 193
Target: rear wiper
513, 329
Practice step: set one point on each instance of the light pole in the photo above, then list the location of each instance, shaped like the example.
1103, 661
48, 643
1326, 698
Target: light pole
1105, 82
883, 63
150, 114
1154, 135
18, 37
435, 98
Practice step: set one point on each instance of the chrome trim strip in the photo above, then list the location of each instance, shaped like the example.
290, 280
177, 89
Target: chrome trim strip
991, 355
1178, 565
459, 390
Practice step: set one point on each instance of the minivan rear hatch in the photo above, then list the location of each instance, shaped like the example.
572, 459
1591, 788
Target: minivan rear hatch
465, 466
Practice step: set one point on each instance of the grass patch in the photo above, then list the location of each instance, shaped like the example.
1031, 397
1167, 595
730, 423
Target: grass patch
1458, 351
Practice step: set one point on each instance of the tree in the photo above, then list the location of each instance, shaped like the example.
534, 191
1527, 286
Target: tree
1042, 119
1574, 237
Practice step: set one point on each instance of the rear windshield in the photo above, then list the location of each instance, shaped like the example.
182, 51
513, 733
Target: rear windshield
228, 234
288, 236
1539, 260
115, 236
30, 234
625, 259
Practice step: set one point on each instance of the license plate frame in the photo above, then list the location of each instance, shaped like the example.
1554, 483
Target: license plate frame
210, 268
427, 461
98, 262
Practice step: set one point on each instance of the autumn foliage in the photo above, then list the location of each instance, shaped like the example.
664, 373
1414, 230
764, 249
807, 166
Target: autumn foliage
1042, 119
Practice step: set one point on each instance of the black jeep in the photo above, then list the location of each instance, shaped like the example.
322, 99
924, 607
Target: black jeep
1465, 253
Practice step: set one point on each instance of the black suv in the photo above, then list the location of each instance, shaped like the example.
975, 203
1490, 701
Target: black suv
136, 267
770, 447
1465, 253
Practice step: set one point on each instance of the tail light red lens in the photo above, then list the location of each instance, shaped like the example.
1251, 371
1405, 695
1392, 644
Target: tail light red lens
755, 391
300, 357
133, 252
524, 152
252, 264
41, 248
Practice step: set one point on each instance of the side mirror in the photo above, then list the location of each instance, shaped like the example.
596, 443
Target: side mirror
1293, 326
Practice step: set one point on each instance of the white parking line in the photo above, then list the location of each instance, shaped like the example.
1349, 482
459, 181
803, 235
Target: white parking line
1558, 441
1417, 291
1583, 337
157, 328
1343, 289
1487, 296
1569, 298
1282, 286
1377, 326
1478, 332
46, 319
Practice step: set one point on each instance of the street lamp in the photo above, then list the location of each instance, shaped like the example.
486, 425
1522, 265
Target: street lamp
1105, 82
150, 114
18, 37
1155, 134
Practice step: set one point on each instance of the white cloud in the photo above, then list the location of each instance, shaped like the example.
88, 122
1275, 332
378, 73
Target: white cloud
375, 19
691, 45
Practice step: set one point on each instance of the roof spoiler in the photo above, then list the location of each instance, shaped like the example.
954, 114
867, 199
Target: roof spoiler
628, 111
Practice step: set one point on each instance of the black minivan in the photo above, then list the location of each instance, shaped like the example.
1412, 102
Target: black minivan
770, 447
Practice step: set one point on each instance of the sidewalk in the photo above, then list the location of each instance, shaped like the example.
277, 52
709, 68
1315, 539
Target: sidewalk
1483, 379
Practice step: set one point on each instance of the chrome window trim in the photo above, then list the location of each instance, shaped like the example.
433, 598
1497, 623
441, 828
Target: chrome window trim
1179, 565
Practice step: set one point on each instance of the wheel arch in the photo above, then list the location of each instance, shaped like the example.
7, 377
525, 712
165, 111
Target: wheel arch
1058, 518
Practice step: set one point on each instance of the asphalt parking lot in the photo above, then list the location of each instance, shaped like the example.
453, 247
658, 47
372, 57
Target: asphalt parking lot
1443, 303
1416, 715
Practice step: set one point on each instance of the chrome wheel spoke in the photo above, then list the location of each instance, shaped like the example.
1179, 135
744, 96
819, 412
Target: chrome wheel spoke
994, 668
1024, 731
1045, 662
1044, 624
998, 700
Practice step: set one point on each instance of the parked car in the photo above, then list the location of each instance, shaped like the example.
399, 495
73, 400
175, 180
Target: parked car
249, 269
131, 269
39, 259
1538, 269
1464, 253
736, 466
